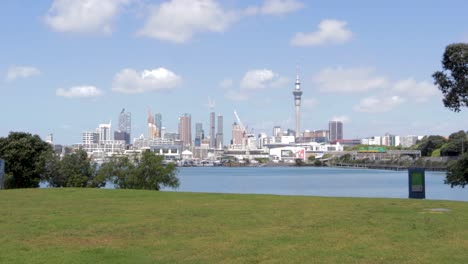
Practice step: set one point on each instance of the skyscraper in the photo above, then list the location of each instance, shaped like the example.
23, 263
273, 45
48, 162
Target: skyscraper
158, 123
297, 102
212, 130
237, 136
125, 127
198, 134
185, 129
336, 130
219, 134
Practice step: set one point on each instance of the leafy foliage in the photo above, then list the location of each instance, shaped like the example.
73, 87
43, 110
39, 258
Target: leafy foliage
73, 170
454, 145
145, 172
430, 143
457, 174
25, 156
454, 86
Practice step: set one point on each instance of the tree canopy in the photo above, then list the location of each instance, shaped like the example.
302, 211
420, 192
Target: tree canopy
25, 156
455, 144
453, 80
457, 173
139, 172
430, 143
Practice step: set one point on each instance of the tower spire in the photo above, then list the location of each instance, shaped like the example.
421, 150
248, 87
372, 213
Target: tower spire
297, 102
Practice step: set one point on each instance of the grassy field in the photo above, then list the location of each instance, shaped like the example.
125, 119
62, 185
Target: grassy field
125, 226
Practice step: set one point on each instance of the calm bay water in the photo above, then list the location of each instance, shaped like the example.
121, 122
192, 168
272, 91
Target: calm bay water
312, 181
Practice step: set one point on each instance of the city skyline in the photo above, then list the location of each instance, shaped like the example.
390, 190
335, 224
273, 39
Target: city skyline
364, 63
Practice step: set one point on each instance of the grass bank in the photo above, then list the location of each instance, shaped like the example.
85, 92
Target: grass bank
126, 226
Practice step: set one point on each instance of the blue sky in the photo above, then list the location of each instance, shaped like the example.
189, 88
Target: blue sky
68, 65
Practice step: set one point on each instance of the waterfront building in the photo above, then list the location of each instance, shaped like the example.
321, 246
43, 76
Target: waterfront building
89, 137
297, 102
277, 131
185, 130
319, 136
336, 130
219, 134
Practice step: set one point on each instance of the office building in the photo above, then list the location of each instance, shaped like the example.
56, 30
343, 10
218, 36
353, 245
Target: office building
219, 134
104, 131
212, 130
199, 135
185, 130
336, 130
158, 123
125, 127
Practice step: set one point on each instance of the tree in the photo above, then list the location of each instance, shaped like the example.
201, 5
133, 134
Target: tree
73, 170
429, 143
454, 87
145, 172
25, 157
454, 145
457, 172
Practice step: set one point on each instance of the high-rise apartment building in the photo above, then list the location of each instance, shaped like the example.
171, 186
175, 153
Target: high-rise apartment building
219, 134
336, 130
104, 131
185, 130
158, 123
212, 130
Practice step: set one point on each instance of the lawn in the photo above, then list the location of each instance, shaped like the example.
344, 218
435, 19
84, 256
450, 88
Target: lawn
129, 226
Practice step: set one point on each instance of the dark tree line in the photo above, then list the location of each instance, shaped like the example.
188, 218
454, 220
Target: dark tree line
29, 160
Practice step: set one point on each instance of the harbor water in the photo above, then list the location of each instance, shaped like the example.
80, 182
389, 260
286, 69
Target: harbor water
312, 181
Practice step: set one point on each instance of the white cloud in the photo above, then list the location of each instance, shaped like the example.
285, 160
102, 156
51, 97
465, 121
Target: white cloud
261, 79
226, 83
279, 7
343, 118
254, 80
17, 72
419, 90
130, 81
178, 20
348, 80
83, 16
79, 92
378, 105
329, 31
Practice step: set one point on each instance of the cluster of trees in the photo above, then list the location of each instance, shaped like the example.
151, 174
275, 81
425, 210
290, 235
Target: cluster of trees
439, 146
29, 160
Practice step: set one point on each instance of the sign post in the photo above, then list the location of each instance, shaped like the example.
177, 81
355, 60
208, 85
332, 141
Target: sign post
416, 183
2, 172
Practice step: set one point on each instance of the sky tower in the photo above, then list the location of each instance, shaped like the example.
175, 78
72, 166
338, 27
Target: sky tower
297, 100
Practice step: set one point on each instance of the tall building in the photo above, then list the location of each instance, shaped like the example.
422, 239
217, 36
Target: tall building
277, 131
89, 137
336, 130
125, 127
152, 129
185, 129
104, 131
199, 135
158, 123
212, 130
297, 102
219, 134
237, 136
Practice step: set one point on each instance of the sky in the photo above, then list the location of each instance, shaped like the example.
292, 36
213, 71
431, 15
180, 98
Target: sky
67, 66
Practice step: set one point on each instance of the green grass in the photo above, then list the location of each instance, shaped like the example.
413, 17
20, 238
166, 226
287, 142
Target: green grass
126, 226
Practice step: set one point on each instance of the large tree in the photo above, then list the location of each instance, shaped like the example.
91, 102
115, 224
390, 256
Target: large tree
73, 170
25, 156
453, 80
455, 144
429, 143
457, 173
146, 171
